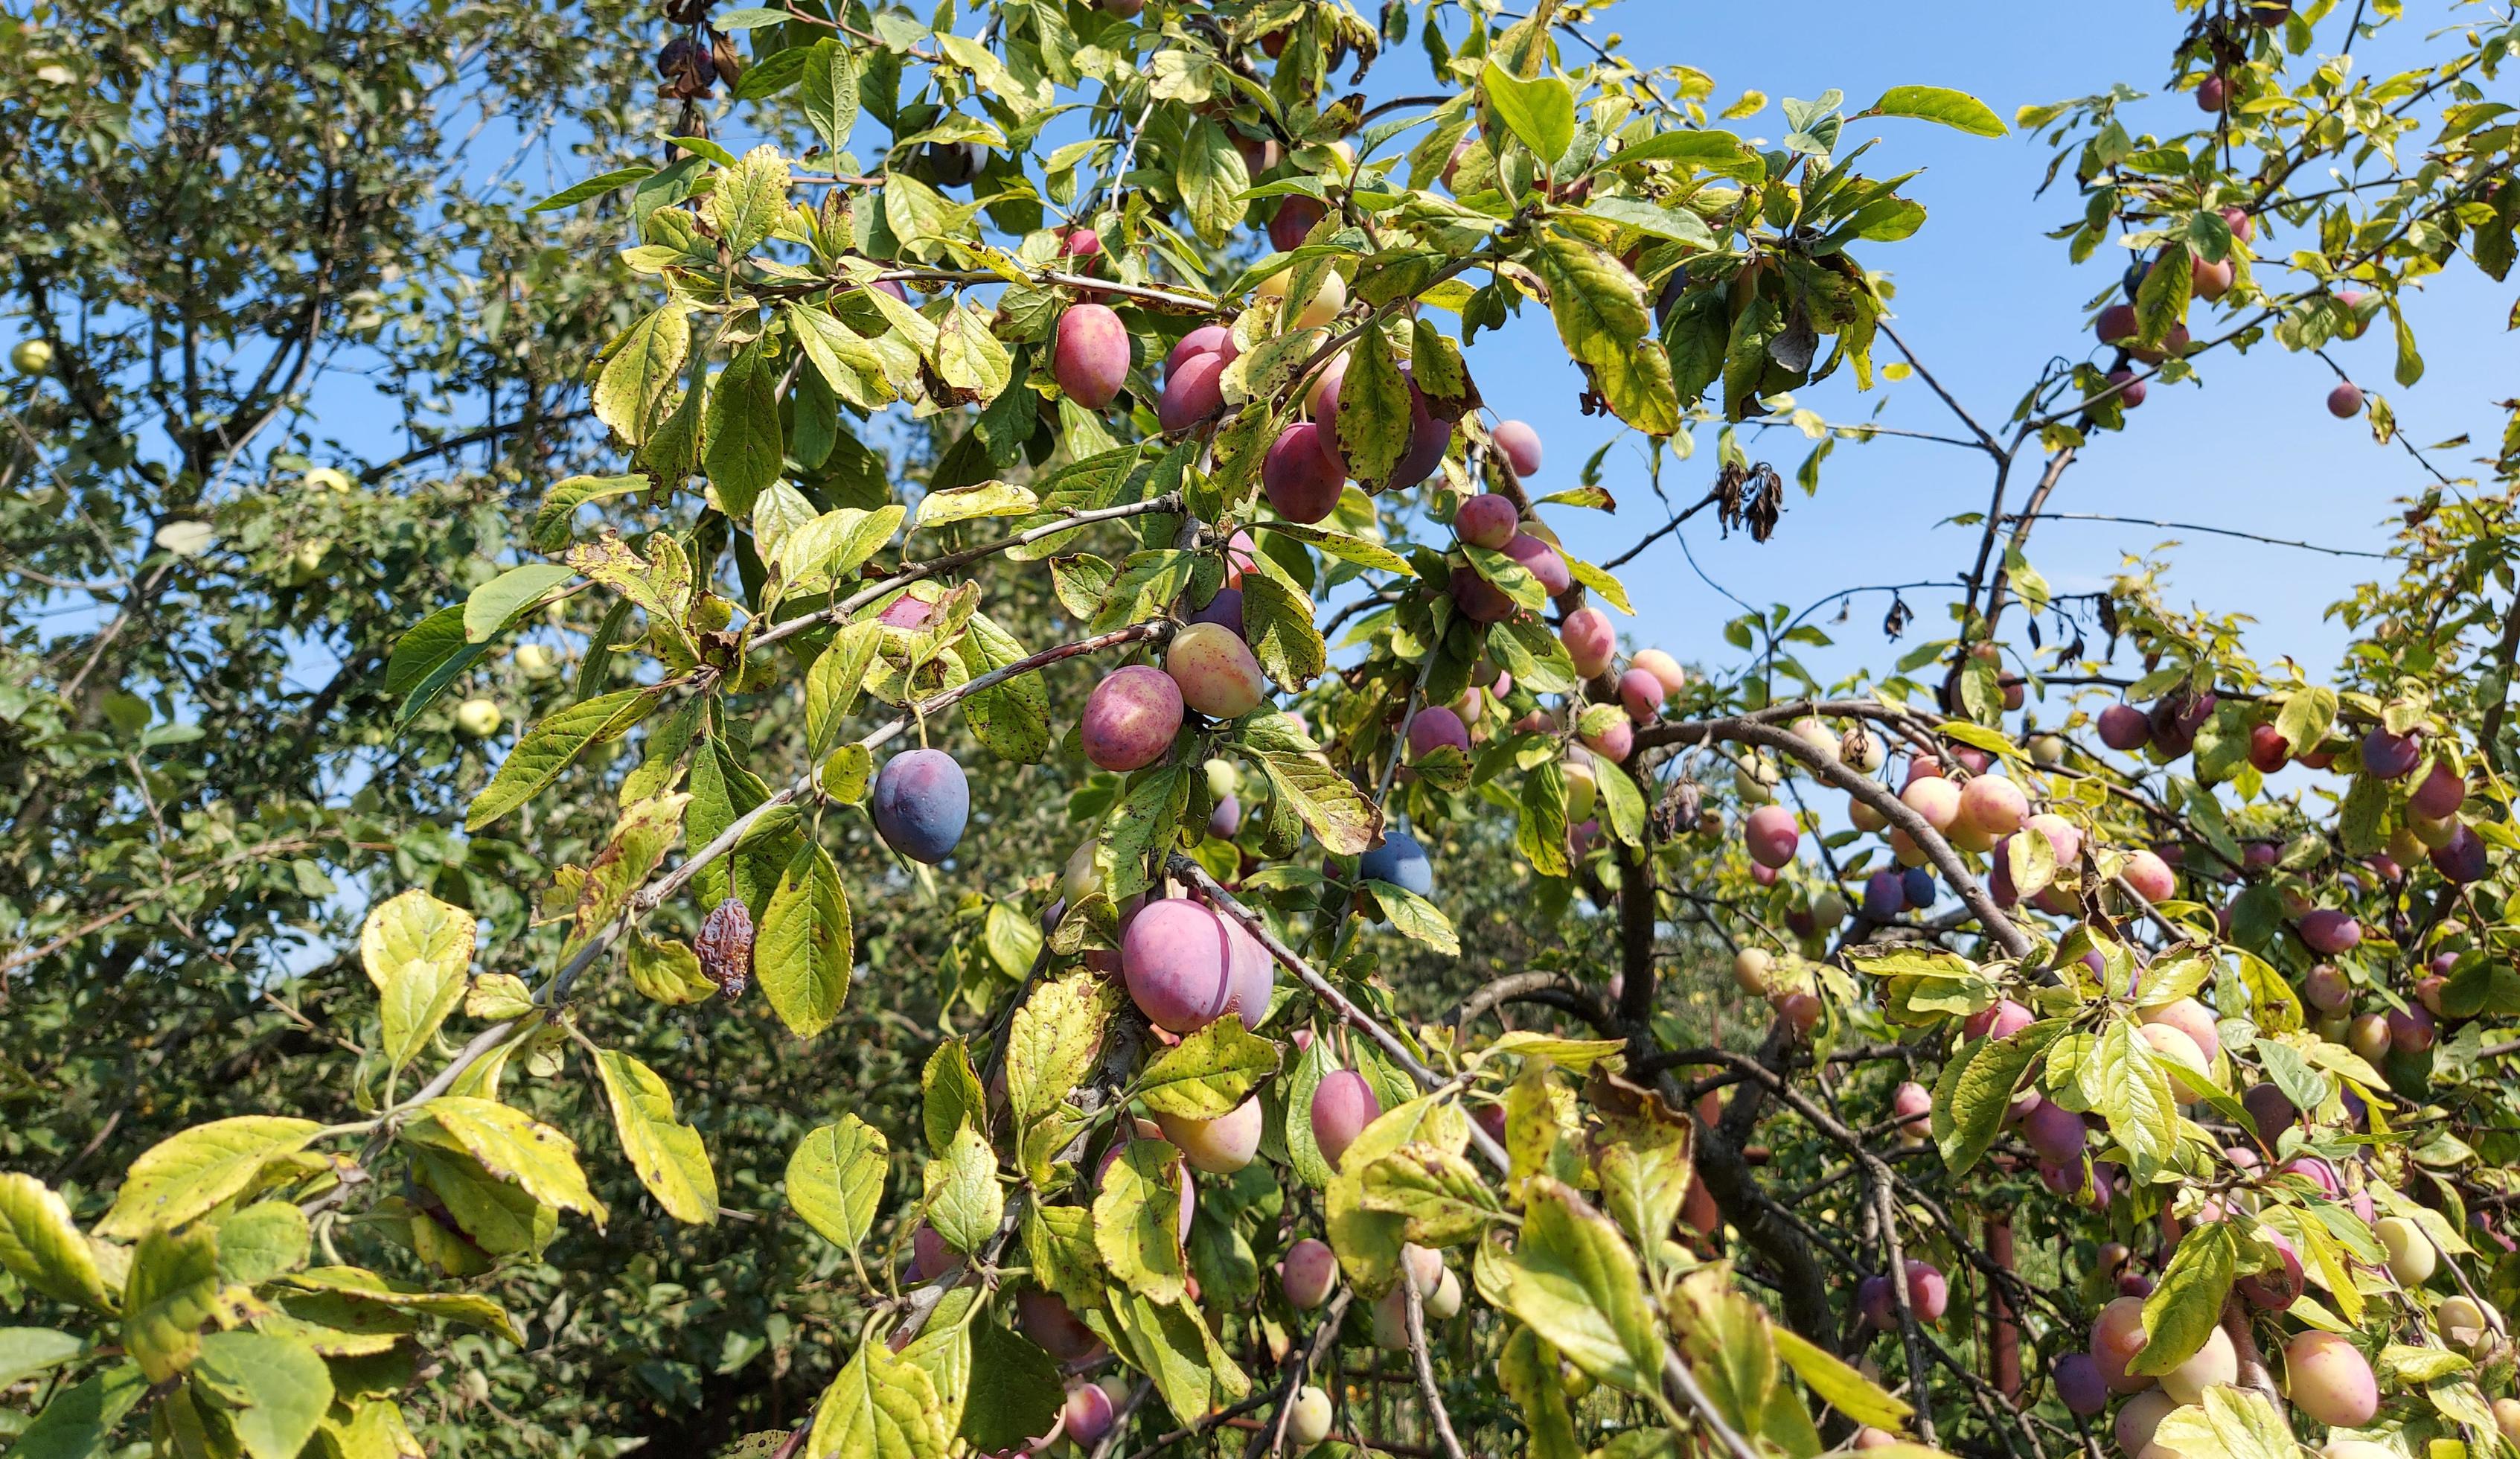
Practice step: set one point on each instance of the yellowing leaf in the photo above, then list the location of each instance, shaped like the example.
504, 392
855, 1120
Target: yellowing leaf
836, 1179
188, 1172
668, 1153
42, 1247
415, 950
510, 1145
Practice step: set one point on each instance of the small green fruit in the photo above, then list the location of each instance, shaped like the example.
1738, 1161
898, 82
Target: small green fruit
477, 718
32, 357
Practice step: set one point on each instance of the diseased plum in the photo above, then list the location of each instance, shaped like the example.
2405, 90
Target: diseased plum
1132, 716
921, 804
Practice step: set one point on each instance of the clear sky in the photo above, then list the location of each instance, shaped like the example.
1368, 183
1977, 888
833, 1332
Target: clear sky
1985, 298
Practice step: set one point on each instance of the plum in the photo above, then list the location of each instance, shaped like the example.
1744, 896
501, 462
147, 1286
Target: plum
1543, 563
2345, 402
1583, 787
2329, 1379
1885, 894
1251, 975
1613, 741
2269, 750
2130, 390
1330, 296
2055, 1133
1435, 727
2460, 859
2191, 1018
2138, 1418
2441, 794
1771, 835
1480, 601
1048, 1321
2125, 727
1488, 521
1800, 1010
1308, 1415
1309, 1274
2174, 1045
2412, 1030
2412, 1257
2211, 1365
2116, 1335
2328, 932
1192, 393
1343, 1105
1590, 642
1207, 338
2212, 94
1754, 971
1521, 444
1935, 799
1993, 804
2324, 989
2209, 281
2271, 1109
2079, 1384
2278, 1286
921, 804
1916, 888
1400, 861
1091, 358
2002, 1019
1294, 221
1088, 1413
1216, 672
1665, 668
1300, 477
1640, 694
1178, 959
1131, 718
1225, 608
2149, 877
2391, 757
1219, 1146
1913, 1105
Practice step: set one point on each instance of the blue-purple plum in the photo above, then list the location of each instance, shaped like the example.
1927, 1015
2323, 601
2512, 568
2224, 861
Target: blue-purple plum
1916, 888
1400, 861
1225, 610
2079, 1384
921, 804
2391, 757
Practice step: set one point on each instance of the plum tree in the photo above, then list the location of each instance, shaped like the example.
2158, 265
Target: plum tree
922, 802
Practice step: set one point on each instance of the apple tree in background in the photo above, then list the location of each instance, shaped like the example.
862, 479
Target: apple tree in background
1076, 528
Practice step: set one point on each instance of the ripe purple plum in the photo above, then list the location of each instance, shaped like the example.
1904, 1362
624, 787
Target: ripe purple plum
1054, 1328
1219, 1146
1480, 601
1543, 563
930, 1257
1294, 221
1225, 818
2079, 1384
1434, 728
1132, 716
2271, 1109
2211, 93
1216, 671
2412, 1030
2391, 757
1301, 478
2269, 750
922, 802
2125, 727
2130, 390
2345, 402
1207, 338
2055, 1133
1592, 642
1191, 393
1089, 1412
2329, 1379
1487, 519
1640, 694
1310, 1274
1771, 835
1885, 895
2461, 858
1178, 959
2116, 1335
1225, 608
1091, 358
1521, 446
1343, 1105
2441, 794
2329, 932
1251, 976
2002, 1019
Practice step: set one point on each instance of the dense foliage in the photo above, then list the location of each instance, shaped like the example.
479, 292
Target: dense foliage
954, 794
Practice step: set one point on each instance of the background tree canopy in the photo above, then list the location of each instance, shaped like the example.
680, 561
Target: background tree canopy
491, 499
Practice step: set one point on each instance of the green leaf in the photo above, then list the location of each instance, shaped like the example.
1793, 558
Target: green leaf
1340, 545
740, 431
1331, 805
971, 358
263, 1240
1209, 1073
805, 950
497, 603
510, 1145
829, 92
951, 1098
593, 187
2185, 1309
1053, 1042
1838, 1385
1277, 621
963, 1201
276, 1391
2132, 1092
79, 1422
1717, 152
2161, 300
748, 200
1015, 1391
1137, 1217
25, 1351
556, 517
42, 1247
188, 1172
1572, 1279
671, 1162
1987, 1074
836, 1179
1539, 112
644, 366
1303, 1152
1012, 721
416, 950
1953, 109
1374, 414
2306, 716
553, 745
1210, 174
827, 549
848, 361
1415, 918
172, 1289
1439, 1194
1678, 224
880, 1407
977, 500
833, 684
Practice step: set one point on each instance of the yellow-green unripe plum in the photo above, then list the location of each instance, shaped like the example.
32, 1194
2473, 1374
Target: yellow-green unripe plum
1662, 666
1330, 296
1308, 1415
1391, 1319
31, 357
1219, 1146
2116, 1335
2412, 1257
1993, 805
477, 718
537, 661
1583, 791
2191, 1018
1754, 971
2150, 876
1423, 1265
1310, 1274
1865, 817
2506, 1417
1823, 740
1091, 358
2369, 1035
1343, 1105
1859, 748
1935, 799
2215, 1362
2329, 1379
1215, 671
2048, 751
2175, 1044
1224, 778
1754, 779
1445, 1298
1132, 716
2467, 1325
2138, 1418
1590, 641
1080, 878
